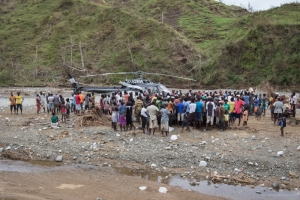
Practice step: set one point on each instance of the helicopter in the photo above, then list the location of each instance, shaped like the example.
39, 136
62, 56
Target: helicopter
138, 84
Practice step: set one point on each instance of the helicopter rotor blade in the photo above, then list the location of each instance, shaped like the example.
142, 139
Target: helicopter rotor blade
190, 79
114, 73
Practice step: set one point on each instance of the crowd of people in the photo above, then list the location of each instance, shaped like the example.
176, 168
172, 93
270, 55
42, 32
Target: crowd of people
198, 110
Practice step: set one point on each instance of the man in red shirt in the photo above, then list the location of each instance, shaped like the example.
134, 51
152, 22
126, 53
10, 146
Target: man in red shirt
238, 104
78, 102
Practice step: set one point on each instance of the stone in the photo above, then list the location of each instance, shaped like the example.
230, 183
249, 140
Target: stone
276, 185
250, 163
59, 159
1, 150
193, 183
143, 188
298, 148
8, 148
258, 192
253, 137
118, 135
98, 199
202, 164
168, 148
280, 153
163, 190
75, 158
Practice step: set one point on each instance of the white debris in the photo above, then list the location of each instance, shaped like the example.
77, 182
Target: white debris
280, 153
8, 148
174, 137
118, 135
163, 190
202, 164
143, 188
298, 148
153, 165
131, 139
171, 129
250, 163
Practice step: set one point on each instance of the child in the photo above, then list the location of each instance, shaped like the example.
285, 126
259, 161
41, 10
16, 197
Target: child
245, 115
282, 123
63, 112
54, 120
226, 118
184, 122
259, 112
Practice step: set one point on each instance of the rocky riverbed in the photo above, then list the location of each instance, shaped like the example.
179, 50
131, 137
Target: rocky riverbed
253, 155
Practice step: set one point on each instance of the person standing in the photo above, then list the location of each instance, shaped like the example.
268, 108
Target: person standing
278, 109
12, 100
293, 103
210, 107
192, 112
78, 106
164, 120
153, 111
238, 104
38, 103
144, 115
43, 101
180, 112
122, 114
51, 103
199, 106
114, 115
19, 101
129, 122
137, 109
81, 97
221, 116
63, 113
56, 103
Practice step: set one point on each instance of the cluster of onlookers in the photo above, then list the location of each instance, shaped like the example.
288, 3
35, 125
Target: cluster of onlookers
191, 109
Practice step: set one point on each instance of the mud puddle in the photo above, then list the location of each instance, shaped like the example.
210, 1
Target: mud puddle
206, 187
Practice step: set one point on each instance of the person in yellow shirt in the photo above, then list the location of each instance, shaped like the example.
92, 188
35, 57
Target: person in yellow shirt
19, 101
231, 108
12, 100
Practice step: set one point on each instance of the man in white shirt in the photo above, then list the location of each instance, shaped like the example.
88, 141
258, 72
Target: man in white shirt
192, 112
144, 116
152, 110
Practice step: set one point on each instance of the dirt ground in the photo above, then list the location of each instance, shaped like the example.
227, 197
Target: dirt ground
70, 183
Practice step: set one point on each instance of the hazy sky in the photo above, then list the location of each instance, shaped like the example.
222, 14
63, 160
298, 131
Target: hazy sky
258, 4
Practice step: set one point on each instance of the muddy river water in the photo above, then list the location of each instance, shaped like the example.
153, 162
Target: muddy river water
203, 186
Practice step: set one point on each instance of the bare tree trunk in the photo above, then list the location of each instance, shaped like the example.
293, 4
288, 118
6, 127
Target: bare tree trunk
82, 62
71, 52
36, 61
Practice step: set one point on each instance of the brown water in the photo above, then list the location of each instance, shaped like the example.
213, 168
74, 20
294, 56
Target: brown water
223, 190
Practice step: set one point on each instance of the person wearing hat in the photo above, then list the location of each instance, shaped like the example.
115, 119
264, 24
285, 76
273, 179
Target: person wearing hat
12, 100
19, 101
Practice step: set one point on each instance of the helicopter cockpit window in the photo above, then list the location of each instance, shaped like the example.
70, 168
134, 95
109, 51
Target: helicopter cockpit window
152, 89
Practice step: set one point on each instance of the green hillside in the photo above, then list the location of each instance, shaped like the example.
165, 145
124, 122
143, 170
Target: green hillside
241, 49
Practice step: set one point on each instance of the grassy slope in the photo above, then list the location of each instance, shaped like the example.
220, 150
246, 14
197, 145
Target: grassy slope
244, 48
104, 32
265, 46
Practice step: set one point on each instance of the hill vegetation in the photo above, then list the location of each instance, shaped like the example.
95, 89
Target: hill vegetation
42, 40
